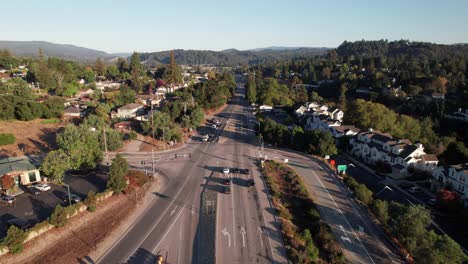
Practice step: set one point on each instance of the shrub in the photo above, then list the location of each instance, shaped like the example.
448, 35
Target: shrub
7, 139
91, 201
137, 177
380, 209
313, 215
59, 217
7, 182
363, 194
132, 135
14, 240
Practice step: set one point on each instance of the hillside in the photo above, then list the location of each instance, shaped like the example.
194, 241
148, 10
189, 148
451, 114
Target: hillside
65, 51
231, 56
401, 48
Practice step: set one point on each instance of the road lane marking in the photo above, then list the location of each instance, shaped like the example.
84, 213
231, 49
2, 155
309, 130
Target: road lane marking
173, 211
344, 217
233, 216
226, 233
180, 243
260, 233
242, 231
169, 229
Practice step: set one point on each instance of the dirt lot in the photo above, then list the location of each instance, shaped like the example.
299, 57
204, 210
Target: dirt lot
32, 137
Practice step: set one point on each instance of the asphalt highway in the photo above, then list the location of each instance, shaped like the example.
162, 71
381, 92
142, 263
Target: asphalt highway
246, 231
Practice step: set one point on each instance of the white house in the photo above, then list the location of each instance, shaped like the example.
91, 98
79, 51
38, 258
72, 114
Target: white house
373, 146
301, 110
336, 114
266, 108
454, 176
128, 111
107, 84
340, 131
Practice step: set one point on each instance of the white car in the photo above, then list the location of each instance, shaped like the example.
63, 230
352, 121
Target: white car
205, 138
226, 170
42, 186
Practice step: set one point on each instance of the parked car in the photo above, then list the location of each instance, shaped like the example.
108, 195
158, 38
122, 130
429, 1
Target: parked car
416, 189
73, 197
42, 186
32, 190
7, 199
432, 202
19, 223
227, 189
235, 170
205, 138
226, 170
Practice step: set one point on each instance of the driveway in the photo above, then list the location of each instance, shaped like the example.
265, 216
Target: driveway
37, 208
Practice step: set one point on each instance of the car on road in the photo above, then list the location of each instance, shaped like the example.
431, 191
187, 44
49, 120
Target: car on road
42, 186
205, 138
227, 189
73, 197
7, 199
19, 223
227, 181
245, 171
226, 170
250, 182
416, 189
235, 170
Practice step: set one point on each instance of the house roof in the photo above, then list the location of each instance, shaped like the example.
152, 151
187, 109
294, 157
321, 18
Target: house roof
408, 150
72, 110
130, 106
429, 157
461, 167
15, 164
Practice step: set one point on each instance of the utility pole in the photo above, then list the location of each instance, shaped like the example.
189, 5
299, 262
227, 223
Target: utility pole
105, 144
152, 132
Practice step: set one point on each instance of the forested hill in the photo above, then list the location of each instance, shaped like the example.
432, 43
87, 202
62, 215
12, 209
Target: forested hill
401, 48
231, 56
64, 51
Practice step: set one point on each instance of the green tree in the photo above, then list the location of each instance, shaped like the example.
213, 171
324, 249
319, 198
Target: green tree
112, 72
81, 145
100, 67
53, 107
59, 217
380, 209
173, 71
55, 164
117, 173
14, 239
113, 140
311, 248
89, 75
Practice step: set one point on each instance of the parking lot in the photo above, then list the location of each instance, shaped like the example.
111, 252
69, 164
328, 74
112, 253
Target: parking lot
35, 208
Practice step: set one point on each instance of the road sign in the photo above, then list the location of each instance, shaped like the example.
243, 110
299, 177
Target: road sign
341, 168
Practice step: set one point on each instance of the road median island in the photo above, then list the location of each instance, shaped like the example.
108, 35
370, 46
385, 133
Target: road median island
307, 238
85, 235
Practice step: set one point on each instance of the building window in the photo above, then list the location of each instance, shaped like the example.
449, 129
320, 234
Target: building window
32, 176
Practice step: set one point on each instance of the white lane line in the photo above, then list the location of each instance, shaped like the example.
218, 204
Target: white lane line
173, 211
169, 229
180, 243
344, 217
242, 231
233, 215
226, 233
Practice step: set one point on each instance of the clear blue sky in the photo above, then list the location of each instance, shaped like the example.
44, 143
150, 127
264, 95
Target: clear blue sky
144, 25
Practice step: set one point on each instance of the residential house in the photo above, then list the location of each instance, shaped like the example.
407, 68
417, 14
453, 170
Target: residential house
123, 126
149, 99
128, 111
453, 176
336, 114
460, 115
107, 84
4, 77
73, 112
341, 131
301, 110
21, 170
374, 146
85, 93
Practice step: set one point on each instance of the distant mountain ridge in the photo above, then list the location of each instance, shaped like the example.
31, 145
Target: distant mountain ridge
65, 51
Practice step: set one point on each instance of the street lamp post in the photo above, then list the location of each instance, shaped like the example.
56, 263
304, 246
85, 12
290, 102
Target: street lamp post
69, 195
